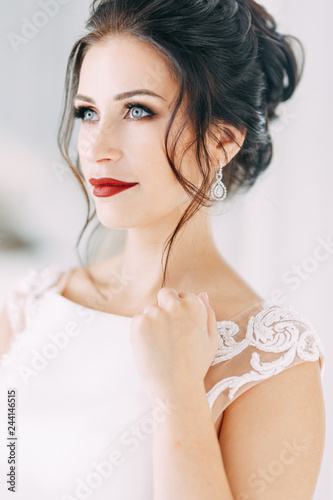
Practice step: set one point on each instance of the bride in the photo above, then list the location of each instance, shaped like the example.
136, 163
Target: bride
174, 100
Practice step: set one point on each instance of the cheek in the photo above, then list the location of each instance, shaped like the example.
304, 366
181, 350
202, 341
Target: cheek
163, 192
159, 184
83, 145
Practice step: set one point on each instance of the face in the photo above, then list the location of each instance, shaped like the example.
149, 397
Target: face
128, 144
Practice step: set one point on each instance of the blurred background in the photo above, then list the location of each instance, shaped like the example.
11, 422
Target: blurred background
278, 236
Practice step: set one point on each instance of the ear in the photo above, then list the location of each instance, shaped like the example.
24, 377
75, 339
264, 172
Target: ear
230, 137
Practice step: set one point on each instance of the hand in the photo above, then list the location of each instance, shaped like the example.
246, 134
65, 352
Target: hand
174, 342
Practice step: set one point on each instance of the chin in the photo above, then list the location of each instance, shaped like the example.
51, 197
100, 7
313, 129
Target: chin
116, 220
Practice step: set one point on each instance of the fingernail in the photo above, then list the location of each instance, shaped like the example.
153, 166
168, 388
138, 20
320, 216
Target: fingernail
206, 296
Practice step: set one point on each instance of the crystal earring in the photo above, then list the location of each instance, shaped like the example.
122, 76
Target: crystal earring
218, 190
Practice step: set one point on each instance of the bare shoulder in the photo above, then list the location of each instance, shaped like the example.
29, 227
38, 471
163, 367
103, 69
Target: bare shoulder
229, 294
272, 436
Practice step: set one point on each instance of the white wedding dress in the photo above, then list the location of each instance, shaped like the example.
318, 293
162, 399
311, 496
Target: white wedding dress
83, 423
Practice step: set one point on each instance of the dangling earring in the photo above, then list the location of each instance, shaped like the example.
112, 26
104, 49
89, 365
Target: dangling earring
218, 190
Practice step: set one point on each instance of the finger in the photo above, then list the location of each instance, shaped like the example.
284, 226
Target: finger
166, 294
146, 309
203, 303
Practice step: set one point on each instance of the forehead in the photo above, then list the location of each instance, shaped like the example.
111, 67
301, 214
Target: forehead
123, 63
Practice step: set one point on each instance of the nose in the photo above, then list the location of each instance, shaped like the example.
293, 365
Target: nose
99, 142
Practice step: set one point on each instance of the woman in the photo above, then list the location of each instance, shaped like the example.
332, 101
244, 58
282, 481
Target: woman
130, 382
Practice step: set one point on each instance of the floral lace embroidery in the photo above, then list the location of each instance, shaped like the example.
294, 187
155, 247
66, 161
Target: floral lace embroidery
228, 347
274, 329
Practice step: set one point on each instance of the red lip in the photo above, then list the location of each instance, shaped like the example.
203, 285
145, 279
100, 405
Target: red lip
106, 186
108, 181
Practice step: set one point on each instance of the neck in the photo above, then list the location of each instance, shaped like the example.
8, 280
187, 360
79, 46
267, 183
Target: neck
191, 253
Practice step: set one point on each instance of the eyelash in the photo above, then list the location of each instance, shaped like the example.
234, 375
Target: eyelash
79, 111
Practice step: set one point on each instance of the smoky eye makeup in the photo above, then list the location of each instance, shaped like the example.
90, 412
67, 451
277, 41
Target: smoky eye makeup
79, 112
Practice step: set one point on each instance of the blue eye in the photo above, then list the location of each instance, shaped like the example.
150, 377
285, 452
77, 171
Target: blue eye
83, 112
80, 112
133, 105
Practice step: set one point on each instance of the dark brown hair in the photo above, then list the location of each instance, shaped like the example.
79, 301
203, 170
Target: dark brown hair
226, 55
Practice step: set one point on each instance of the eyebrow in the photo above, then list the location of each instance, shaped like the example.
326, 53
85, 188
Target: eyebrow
123, 95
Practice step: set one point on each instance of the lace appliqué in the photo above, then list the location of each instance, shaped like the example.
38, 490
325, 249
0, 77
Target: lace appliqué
274, 329
24, 300
228, 347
